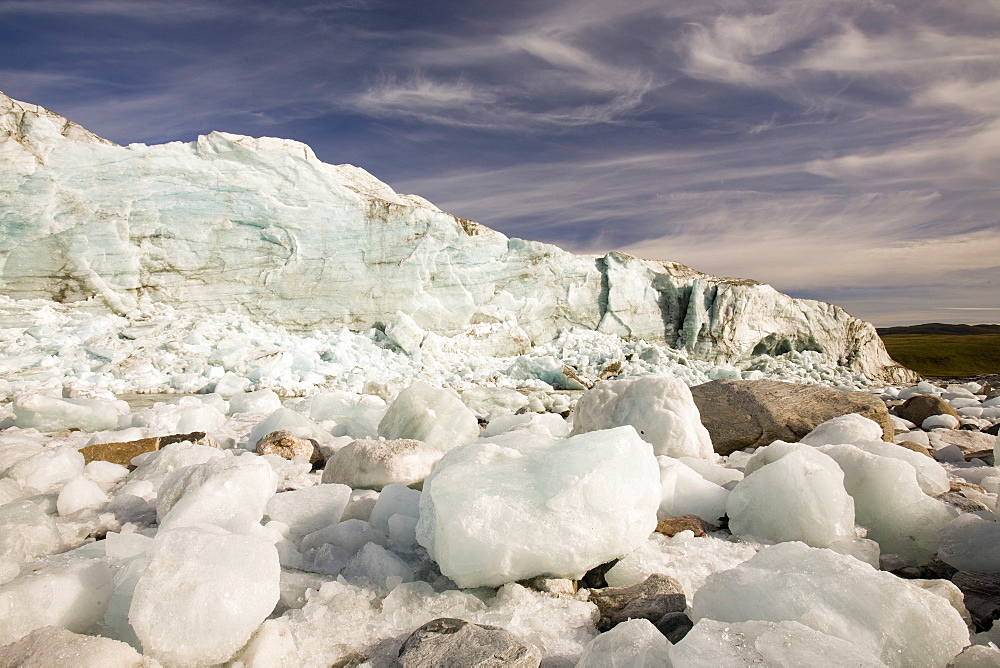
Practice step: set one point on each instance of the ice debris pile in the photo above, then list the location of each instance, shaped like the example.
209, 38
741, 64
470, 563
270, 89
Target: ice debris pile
264, 228
533, 525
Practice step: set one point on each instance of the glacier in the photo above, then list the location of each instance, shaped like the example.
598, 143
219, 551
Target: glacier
261, 227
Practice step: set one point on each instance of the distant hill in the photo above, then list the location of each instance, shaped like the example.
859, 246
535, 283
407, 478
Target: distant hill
940, 328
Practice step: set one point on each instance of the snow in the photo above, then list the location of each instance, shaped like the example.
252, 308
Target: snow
514, 508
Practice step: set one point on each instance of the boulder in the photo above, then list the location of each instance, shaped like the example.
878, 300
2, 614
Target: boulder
982, 596
672, 526
287, 445
651, 599
455, 642
373, 464
919, 408
123, 452
751, 413
971, 443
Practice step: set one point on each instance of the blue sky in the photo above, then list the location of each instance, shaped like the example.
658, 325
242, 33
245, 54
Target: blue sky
844, 150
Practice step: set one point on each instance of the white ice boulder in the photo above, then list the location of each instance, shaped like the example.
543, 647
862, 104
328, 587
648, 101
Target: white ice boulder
405, 333
940, 422
432, 415
48, 470
798, 496
632, 644
356, 415
261, 401
309, 509
889, 502
661, 410
373, 464
14, 448
394, 499
684, 491
26, 533
543, 424
712, 644
183, 416
971, 542
203, 595
229, 492
497, 512
376, 567
899, 623
78, 494
157, 465
71, 595
47, 414
931, 476
490, 402
850, 428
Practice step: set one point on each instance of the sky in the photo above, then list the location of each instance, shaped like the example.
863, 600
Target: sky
843, 150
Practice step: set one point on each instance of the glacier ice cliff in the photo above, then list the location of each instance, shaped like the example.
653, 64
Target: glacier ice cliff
263, 227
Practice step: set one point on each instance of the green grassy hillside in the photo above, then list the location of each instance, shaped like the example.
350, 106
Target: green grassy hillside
946, 354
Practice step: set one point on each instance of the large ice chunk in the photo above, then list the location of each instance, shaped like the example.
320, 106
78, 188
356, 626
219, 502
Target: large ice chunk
712, 644
374, 464
204, 593
435, 416
889, 502
685, 491
632, 644
661, 410
900, 623
309, 509
46, 413
496, 512
229, 492
26, 533
49, 469
261, 401
971, 543
186, 415
157, 465
851, 428
799, 496
356, 415
72, 595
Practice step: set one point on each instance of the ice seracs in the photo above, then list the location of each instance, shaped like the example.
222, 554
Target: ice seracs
342, 248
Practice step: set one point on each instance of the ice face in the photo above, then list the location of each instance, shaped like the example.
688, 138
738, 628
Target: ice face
661, 410
851, 428
204, 593
496, 512
221, 217
307, 510
971, 542
798, 496
632, 644
899, 623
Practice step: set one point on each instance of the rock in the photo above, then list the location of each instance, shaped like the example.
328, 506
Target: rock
122, 453
51, 646
919, 408
753, 413
992, 431
674, 525
594, 578
373, 464
558, 586
982, 597
971, 443
674, 626
287, 445
916, 447
651, 599
965, 505
455, 642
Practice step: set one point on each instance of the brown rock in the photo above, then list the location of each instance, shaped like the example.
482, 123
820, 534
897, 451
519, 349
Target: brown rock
919, 408
916, 447
287, 445
557, 586
455, 642
753, 413
674, 525
123, 452
651, 599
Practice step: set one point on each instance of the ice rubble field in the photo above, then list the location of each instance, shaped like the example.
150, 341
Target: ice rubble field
451, 480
